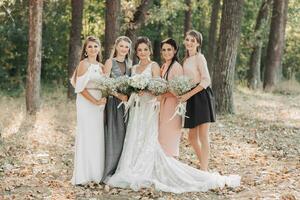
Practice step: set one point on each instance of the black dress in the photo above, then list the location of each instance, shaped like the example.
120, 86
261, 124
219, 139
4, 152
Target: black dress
200, 109
115, 126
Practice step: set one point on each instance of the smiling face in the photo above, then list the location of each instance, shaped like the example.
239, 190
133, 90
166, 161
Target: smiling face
92, 49
143, 51
191, 43
122, 48
168, 52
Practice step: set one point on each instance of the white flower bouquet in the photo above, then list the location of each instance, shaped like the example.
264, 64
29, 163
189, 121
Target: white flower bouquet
138, 83
180, 85
106, 85
121, 85
157, 86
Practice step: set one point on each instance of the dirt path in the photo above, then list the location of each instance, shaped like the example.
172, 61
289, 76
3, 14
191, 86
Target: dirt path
261, 143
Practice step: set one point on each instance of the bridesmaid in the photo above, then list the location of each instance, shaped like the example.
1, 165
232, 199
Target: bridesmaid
169, 131
89, 142
200, 100
117, 65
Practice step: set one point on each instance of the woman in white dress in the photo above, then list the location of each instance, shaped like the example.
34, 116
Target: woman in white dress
143, 163
89, 142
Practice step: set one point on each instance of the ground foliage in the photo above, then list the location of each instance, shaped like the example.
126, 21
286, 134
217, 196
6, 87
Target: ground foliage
261, 143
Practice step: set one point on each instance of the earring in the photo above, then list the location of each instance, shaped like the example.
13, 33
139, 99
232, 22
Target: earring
85, 54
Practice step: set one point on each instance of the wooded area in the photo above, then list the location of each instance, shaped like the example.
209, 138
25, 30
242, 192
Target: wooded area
265, 54
253, 55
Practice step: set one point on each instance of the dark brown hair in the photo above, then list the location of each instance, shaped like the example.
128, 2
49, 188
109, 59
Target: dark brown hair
173, 43
87, 40
141, 40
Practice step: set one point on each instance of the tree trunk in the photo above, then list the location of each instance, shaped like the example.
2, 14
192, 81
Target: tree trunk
33, 77
223, 76
188, 16
275, 44
137, 21
156, 50
254, 75
212, 38
112, 25
75, 41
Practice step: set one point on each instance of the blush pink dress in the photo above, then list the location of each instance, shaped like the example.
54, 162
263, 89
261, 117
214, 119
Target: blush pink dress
170, 130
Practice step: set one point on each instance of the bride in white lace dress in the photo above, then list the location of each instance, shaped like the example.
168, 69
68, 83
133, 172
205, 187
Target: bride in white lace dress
143, 162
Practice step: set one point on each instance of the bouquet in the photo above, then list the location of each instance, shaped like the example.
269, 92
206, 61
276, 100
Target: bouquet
121, 85
179, 86
106, 85
157, 86
138, 83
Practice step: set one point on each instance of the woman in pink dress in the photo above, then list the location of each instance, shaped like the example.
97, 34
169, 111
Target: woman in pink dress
169, 130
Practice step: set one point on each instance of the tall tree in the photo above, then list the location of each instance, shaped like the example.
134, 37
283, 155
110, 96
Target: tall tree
212, 37
75, 40
138, 20
223, 76
275, 44
139, 17
112, 25
188, 16
34, 56
254, 75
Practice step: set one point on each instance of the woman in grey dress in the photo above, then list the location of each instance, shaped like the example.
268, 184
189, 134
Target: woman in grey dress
118, 64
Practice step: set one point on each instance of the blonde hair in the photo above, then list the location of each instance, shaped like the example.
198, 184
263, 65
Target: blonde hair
117, 41
198, 36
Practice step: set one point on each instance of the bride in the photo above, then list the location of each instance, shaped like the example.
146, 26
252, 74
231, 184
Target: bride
143, 163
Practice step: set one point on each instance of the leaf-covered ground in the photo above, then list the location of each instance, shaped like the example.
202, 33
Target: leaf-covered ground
261, 142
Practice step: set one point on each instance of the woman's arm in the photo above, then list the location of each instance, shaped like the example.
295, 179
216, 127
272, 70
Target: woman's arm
204, 82
107, 70
82, 69
107, 67
155, 70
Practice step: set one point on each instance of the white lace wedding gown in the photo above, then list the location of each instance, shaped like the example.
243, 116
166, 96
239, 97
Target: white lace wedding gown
89, 142
143, 162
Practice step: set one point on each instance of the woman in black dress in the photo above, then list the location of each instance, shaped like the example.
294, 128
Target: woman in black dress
119, 64
200, 101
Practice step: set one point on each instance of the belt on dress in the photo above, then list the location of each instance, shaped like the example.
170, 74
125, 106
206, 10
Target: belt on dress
92, 88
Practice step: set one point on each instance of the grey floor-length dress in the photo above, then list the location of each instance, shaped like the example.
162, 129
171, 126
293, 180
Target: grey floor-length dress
115, 126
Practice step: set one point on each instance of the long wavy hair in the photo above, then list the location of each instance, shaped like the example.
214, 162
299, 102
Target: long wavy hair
83, 51
114, 51
198, 36
84, 55
173, 43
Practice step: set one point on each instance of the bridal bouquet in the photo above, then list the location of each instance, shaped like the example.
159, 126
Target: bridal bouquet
180, 85
138, 82
121, 85
106, 85
157, 86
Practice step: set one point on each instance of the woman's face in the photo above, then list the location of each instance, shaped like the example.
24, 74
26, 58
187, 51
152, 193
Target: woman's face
92, 49
122, 48
191, 43
143, 51
168, 52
